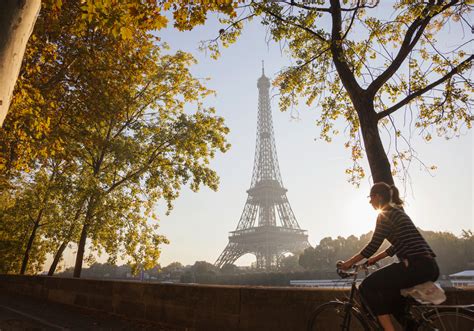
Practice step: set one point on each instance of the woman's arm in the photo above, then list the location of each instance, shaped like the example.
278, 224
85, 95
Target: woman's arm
356, 258
377, 257
349, 263
382, 230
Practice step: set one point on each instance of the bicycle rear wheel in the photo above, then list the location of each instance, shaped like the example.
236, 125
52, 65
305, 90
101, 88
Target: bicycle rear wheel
330, 316
448, 319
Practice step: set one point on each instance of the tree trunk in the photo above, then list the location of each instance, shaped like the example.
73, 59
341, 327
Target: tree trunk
61, 249
26, 256
17, 19
82, 240
57, 257
376, 155
80, 250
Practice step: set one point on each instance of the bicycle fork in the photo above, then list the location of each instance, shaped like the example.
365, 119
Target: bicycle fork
346, 323
347, 317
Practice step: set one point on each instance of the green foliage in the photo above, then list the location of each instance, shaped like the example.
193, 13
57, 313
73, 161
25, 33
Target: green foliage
290, 263
200, 272
33, 215
328, 252
65, 32
103, 270
229, 269
117, 131
361, 61
454, 254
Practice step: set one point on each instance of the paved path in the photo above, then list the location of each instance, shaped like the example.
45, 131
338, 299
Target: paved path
23, 313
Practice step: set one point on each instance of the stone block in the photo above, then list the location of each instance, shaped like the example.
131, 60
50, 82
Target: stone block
51, 283
132, 291
61, 296
155, 312
100, 302
130, 309
68, 284
81, 300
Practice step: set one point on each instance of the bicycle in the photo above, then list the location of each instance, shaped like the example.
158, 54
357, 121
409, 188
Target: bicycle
351, 314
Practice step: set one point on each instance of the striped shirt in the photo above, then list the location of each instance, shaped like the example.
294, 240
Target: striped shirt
395, 226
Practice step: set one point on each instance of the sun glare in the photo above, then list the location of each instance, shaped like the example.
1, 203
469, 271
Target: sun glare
360, 217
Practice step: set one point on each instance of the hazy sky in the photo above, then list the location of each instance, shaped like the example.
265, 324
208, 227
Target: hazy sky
323, 201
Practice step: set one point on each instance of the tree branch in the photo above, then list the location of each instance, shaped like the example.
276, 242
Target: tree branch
227, 28
343, 69
312, 59
352, 21
278, 17
328, 10
420, 92
320, 9
144, 166
413, 34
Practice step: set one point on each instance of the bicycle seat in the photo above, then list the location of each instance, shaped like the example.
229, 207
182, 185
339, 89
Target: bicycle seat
425, 293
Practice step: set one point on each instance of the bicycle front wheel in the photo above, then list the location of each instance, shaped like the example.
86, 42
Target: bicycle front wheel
332, 315
448, 319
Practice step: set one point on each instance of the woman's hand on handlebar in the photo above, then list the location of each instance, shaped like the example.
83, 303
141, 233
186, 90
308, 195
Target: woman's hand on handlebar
344, 265
371, 261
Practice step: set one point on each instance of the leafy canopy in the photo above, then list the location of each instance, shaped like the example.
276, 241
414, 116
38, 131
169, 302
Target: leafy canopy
372, 63
122, 127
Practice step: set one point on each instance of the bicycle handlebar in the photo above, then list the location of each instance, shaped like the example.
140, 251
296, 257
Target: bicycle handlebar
356, 269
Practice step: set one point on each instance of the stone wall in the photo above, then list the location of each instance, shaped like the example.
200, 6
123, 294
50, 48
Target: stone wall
189, 307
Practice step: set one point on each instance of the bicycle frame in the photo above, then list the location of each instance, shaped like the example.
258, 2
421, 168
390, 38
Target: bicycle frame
351, 303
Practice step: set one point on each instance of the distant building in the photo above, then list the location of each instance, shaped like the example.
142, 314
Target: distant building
463, 279
325, 283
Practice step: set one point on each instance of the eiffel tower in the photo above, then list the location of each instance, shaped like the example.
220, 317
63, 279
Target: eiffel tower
267, 227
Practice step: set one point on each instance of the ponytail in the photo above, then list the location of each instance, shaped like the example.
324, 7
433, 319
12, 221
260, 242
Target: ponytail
395, 196
389, 193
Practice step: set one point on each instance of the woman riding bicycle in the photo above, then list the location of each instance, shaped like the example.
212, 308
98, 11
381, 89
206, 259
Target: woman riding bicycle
381, 290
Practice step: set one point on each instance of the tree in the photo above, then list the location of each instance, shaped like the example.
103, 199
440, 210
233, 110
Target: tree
17, 19
149, 146
454, 253
326, 254
345, 65
229, 269
290, 263
204, 268
172, 270
307, 258
40, 198
122, 124
148, 143
173, 267
28, 133
200, 272
35, 211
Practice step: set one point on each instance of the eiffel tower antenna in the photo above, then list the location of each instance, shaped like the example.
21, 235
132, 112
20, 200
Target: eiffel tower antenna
267, 227
263, 69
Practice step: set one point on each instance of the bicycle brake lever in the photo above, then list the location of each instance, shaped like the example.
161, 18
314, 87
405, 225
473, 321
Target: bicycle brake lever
341, 273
